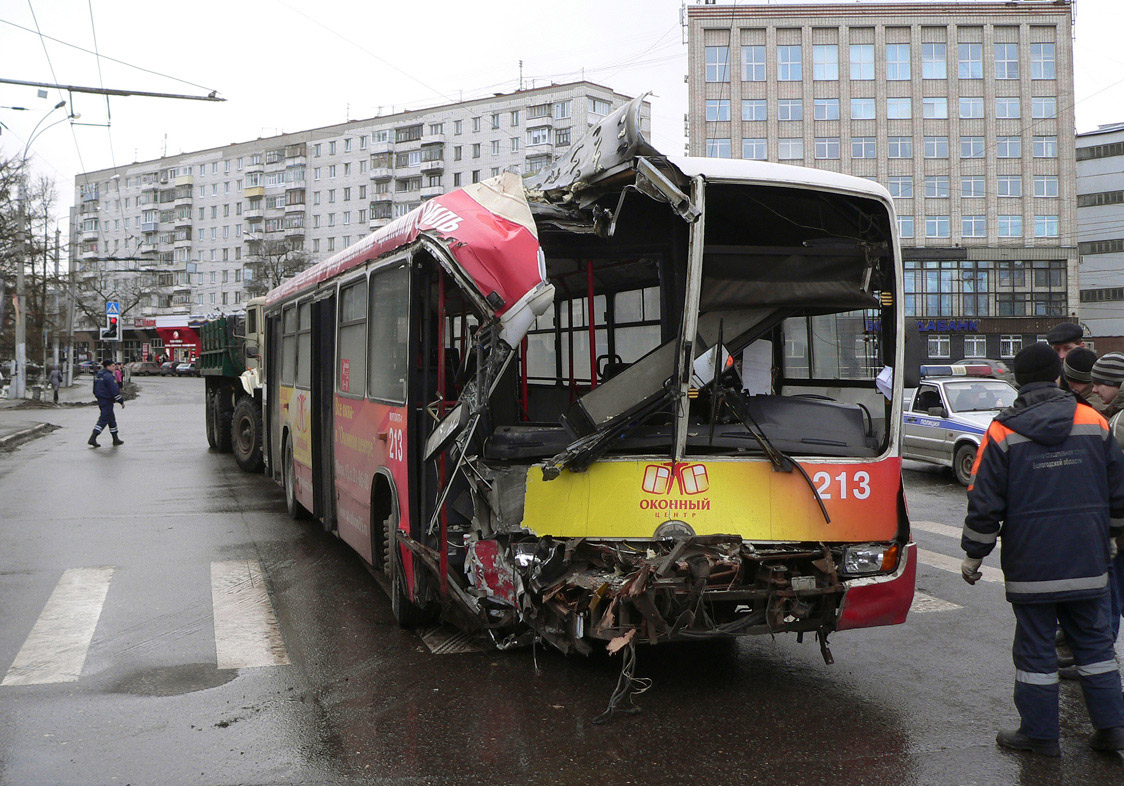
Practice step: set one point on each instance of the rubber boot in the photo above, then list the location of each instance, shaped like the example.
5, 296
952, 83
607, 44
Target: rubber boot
117, 440
93, 440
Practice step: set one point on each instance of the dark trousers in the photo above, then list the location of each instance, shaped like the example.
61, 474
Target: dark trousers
56, 390
1116, 587
107, 417
1089, 633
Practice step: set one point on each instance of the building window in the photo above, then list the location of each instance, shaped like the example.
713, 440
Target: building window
1006, 61
936, 147
1045, 147
900, 147
939, 346
1041, 61
753, 64
901, 187
825, 63
862, 62
863, 147
826, 108
897, 62
1007, 108
827, 147
754, 110
754, 149
1010, 226
562, 136
937, 226
905, 226
790, 109
718, 148
718, 110
937, 187
934, 61
972, 187
1009, 346
971, 147
1045, 226
971, 61
973, 226
514, 144
790, 148
718, 64
1009, 185
1045, 185
899, 109
476, 145
975, 346
971, 107
562, 109
862, 108
934, 108
1044, 107
496, 144
789, 66
1009, 147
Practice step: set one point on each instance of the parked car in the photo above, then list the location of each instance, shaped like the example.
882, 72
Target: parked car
88, 367
168, 368
145, 368
999, 369
944, 419
187, 370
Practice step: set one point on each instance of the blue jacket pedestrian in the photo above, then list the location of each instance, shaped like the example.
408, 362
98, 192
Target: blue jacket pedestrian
107, 392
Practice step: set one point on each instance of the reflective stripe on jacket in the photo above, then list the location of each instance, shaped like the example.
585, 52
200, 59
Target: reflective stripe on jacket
1049, 480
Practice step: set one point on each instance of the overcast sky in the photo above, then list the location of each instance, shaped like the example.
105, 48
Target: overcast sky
288, 65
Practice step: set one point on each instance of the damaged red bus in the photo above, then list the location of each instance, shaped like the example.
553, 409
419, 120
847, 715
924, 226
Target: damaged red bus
638, 397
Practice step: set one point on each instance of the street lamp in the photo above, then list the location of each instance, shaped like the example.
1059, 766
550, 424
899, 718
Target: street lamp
19, 379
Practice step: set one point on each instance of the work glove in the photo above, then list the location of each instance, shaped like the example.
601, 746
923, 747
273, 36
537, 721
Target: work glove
970, 570
1114, 546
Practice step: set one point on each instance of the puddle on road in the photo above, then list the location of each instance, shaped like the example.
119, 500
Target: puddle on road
174, 680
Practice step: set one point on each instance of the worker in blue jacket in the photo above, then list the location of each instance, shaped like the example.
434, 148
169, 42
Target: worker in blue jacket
107, 392
1049, 480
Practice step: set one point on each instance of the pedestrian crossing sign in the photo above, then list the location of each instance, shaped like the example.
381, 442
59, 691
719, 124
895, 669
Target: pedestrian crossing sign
112, 308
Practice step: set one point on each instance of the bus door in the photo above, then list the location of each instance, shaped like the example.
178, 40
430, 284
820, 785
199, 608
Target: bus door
272, 441
322, 384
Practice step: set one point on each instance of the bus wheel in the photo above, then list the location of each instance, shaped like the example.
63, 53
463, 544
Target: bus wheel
406, 614
224, 415
209, 413
247, 435
292, 505
962, 463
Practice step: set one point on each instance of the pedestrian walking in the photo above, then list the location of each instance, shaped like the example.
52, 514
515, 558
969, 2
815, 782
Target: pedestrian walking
118, 374
1077, 372
1049, 480
107, 391
55, 380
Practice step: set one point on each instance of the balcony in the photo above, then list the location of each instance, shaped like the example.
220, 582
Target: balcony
182, 199
182, 220
90, 232
381, 173
382, 147
253, 213
253, 192
294, 232
436, 165
88, 253
378, 223
433, 139
147, 247
150, 226
185, 180
182, 242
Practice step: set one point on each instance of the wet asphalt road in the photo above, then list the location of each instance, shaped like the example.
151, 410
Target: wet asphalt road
357, 700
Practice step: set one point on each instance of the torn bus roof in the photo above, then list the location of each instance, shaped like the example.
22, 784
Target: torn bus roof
487, 230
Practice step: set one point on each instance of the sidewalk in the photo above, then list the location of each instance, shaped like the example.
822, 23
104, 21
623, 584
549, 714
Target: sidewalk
81, 392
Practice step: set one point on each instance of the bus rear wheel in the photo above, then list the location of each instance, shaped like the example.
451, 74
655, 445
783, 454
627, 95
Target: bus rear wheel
292, 505
406, 613
247, 435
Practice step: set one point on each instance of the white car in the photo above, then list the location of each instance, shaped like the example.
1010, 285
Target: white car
944, 419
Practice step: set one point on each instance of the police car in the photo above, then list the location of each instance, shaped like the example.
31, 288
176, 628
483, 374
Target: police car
944, 418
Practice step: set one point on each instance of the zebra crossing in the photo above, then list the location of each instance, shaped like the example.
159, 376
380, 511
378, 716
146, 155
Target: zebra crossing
246, 631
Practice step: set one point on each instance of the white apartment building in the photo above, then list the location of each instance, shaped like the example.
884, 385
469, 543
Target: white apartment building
176, 233
1100, 232
963, 110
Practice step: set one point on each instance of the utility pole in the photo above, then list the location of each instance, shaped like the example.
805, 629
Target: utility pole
55, 306
19, 379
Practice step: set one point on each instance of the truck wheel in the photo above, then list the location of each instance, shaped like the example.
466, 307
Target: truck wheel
292, 505
962, 463
209, 416
247, 435
224, 416
406, 614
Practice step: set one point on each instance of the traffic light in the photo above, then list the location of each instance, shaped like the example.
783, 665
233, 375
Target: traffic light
111, 331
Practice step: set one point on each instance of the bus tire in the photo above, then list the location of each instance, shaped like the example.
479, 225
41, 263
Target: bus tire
406, 614
224, 420
246, 440
209, 417
293, 505
962, 462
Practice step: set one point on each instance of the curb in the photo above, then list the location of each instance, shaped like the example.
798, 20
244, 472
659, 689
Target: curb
26, 435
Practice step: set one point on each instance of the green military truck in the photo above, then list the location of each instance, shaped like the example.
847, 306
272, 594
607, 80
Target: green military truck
230, 364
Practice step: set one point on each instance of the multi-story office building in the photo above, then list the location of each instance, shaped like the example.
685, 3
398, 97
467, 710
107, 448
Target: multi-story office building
1100, 233
179, 235
963, 110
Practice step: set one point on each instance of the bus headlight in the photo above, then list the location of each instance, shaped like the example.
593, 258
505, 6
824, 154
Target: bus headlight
870, 558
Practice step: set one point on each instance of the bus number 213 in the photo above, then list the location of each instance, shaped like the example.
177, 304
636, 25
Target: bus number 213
858, 486
394, 444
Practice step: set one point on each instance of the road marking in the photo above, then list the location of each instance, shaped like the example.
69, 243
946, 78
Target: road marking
937, 529
952, 565
246, 630
55, 650
923, 602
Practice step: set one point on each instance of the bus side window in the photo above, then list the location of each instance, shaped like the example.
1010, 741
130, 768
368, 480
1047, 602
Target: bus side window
390, 332
304, 344
351, 373
289, 345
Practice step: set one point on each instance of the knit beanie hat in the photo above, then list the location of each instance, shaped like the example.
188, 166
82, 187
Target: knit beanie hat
1078, 364
1037, 363
1109, 370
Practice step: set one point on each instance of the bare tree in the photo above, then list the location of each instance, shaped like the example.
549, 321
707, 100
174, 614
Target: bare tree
272, 263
